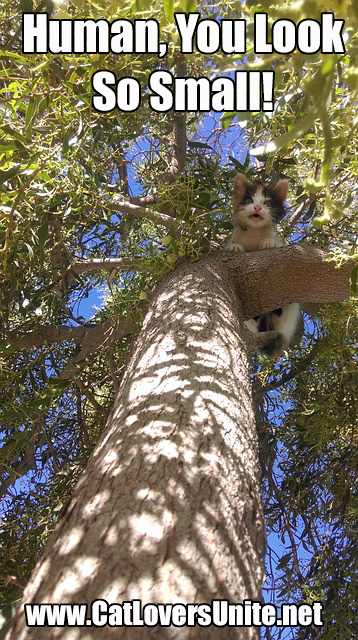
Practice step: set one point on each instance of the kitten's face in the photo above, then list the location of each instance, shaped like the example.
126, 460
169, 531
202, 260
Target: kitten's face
256, 206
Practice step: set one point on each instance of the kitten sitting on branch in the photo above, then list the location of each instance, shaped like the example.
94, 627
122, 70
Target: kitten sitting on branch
256, 211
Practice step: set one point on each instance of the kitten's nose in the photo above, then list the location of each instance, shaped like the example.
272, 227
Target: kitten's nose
257, 208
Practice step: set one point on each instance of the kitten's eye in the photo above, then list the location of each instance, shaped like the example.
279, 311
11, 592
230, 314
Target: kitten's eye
267, 200
247, 201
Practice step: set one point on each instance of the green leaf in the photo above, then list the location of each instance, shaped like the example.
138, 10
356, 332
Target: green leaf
328, 144
30, 116
26, 6
14, 56
30, 251
288, 161
6, 174
43, 232
297, 130
200, 145
285, 559
327, 66
8, 145
310, 212
227, 117
190, 6
43, 105
13, 133
169, 9
236, 163
349, 200
76, 275
59, 383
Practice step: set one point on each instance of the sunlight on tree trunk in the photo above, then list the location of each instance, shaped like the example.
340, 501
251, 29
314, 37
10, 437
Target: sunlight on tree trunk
168, 509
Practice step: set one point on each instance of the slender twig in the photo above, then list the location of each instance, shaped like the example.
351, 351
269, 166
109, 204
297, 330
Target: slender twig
288, 528
81, 419
56, 464
5, 577
107, 264
90, 397
295, 370
141, 201
300, 209
112, 369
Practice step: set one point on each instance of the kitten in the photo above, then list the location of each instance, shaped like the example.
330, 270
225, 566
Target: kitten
256, 210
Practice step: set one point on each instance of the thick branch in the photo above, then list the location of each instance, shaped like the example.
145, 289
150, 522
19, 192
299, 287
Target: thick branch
179, 128
79, 335
178, 161
266, 280
108, 332
109, 264
269, 279
142, 201
46, 335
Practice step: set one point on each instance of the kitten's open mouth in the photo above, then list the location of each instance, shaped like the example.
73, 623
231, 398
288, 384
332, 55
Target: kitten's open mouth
256, 216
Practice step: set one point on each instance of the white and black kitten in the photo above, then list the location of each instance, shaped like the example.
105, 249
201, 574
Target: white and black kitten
256, 210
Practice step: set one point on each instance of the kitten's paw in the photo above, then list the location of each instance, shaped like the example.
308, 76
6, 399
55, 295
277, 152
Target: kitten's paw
251, 325
270, 243
233, 246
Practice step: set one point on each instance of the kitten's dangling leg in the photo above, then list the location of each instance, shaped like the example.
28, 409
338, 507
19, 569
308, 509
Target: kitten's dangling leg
286, 321
251, 324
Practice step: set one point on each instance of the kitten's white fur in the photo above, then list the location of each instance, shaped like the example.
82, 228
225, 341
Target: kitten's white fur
250, 233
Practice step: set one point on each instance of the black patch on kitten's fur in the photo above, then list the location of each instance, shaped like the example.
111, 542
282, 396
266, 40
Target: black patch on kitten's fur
272, 347
275, 205
265, 323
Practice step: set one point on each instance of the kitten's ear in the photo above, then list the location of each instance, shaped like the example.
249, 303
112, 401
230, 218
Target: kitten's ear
240, 186
281, 190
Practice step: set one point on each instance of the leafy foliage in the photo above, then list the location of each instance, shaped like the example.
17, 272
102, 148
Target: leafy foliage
65, 172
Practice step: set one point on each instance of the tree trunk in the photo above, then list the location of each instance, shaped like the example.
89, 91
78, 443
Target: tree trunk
168, 509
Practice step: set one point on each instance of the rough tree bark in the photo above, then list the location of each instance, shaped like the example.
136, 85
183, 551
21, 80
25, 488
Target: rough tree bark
168, 509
